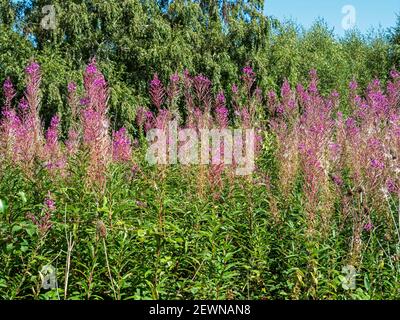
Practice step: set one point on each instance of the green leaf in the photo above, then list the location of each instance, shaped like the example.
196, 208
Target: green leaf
31, 230
367, 283
22, 196
16, 228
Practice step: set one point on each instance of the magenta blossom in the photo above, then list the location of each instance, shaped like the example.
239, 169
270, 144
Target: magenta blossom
248, 77
173, 89
395, 74
84, 101
222, 116
368, 227
32, 69
376, 164
247, 70
220, 101
140, 116
202, 86
235, 89
91, 68
353, 85
157, 91
71, 86
100, 81
391, 186
50, 203
23, 104
175, 77
121, 146
313, 87
9, 92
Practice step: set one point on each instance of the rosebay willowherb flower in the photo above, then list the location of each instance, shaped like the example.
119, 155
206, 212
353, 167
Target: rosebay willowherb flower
122, 149
202, 86
32, 95
173, 89
249, 77
53, 155
162, 119
140, 116
173, 93
23, 106
149, 121
49, 202
95, 125
27, 146
221, 112
97, 141
72, 142
9, 125
157, 92
9, 93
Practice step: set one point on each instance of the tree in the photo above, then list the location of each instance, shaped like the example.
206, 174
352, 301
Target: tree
132, 39
395, 42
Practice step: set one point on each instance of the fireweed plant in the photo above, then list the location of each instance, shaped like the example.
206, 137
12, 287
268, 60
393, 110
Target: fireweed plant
79, 195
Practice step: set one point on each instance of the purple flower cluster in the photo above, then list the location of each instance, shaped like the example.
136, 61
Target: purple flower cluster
9, 93
122, 151
157, 92
71, 87
202, 86
33, 69
221, 112
173, 89
249, 78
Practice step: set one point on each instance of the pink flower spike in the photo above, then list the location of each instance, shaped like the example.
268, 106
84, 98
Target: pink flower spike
71, 87
157, 91
122, 149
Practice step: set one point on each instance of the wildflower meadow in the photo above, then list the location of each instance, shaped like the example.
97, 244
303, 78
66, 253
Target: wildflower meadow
235, 190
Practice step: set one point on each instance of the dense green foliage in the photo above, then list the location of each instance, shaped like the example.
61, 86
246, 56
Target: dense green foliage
205, 249
395, 43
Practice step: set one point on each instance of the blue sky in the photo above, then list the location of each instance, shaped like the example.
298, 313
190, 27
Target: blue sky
368, 13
